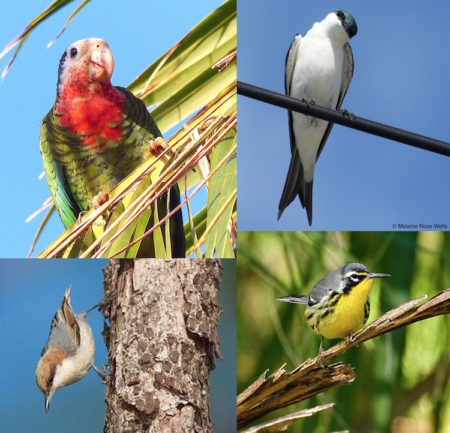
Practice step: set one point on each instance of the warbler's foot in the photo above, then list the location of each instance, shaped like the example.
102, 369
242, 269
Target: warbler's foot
350, 339
319, 355
159, 145
100, 199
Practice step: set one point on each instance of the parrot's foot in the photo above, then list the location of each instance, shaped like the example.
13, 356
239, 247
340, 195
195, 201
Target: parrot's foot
205, 125
101, 373
80, 215
159, 145
101, 198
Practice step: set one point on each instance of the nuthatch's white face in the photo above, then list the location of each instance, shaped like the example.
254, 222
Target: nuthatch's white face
68, 353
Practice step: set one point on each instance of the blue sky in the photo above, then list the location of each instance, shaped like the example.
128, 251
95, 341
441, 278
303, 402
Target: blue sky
28, 91
362, 182
30, 293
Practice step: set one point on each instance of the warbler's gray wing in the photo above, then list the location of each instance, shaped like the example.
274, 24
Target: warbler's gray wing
325, 286
293, 183
347, 74
64, 330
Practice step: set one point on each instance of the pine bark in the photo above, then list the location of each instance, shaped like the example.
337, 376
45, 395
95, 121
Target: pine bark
162, 341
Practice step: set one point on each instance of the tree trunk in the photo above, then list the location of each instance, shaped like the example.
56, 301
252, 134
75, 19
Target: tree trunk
162, 341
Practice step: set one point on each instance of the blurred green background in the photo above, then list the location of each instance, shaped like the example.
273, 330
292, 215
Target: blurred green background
402, 378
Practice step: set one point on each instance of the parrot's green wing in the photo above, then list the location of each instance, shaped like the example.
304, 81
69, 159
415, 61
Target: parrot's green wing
62, 197
144, 129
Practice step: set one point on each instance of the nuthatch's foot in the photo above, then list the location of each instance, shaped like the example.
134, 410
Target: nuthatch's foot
101, 198
159, 145
101, 373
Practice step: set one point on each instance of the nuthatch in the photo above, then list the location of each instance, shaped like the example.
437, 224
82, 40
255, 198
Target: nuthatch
69, 352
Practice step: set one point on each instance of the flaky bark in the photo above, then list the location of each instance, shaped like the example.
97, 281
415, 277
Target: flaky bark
162, 341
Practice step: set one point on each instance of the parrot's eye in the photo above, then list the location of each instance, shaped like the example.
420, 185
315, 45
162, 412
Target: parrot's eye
73, 52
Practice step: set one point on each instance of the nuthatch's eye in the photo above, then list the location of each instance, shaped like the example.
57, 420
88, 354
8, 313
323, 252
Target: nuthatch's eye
73, 52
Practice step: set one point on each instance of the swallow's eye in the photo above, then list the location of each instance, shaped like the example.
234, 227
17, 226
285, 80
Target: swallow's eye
341, 15
73, 52
50, 380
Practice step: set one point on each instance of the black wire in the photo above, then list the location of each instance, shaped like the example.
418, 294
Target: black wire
343, 118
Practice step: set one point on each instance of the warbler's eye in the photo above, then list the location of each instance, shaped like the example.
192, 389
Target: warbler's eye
354, 277
73, 52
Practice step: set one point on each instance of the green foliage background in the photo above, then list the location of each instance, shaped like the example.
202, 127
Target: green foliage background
402, 378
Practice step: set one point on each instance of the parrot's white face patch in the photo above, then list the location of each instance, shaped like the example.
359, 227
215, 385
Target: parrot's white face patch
77, 54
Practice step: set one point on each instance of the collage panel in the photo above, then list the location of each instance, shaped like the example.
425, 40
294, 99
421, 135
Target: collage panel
161, 334
295, 172
130, 135
379, 299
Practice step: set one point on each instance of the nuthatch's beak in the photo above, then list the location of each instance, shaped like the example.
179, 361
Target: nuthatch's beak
373, 275
47, 401
101, 62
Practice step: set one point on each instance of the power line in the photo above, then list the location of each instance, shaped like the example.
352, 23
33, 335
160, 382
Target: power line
343, 118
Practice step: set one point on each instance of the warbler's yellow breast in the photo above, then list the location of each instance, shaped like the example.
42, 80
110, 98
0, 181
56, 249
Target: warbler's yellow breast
345, 317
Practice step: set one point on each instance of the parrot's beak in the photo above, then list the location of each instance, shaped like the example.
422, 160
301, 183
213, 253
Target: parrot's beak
101, 62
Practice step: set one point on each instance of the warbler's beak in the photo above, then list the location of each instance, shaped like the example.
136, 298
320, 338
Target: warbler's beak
373, 275
47, 401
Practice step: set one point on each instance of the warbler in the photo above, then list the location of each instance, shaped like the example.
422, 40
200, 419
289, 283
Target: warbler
339, 304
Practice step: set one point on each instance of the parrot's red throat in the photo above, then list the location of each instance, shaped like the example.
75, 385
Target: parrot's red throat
92, 111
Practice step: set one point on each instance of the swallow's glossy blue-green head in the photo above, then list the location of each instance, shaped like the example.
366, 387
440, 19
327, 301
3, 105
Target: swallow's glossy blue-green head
348, 22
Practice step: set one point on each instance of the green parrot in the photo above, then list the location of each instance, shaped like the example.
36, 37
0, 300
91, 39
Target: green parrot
95, 135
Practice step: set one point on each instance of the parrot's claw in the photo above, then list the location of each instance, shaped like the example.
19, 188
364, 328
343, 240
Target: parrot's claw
205, 125
159, 145
80, 215
101, 198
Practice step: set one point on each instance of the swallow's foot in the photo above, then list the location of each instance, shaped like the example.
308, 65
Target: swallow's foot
100, 199
159, 145
312, 102
347, 113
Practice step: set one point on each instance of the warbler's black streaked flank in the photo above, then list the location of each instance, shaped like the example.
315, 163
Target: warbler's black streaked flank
338, 305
